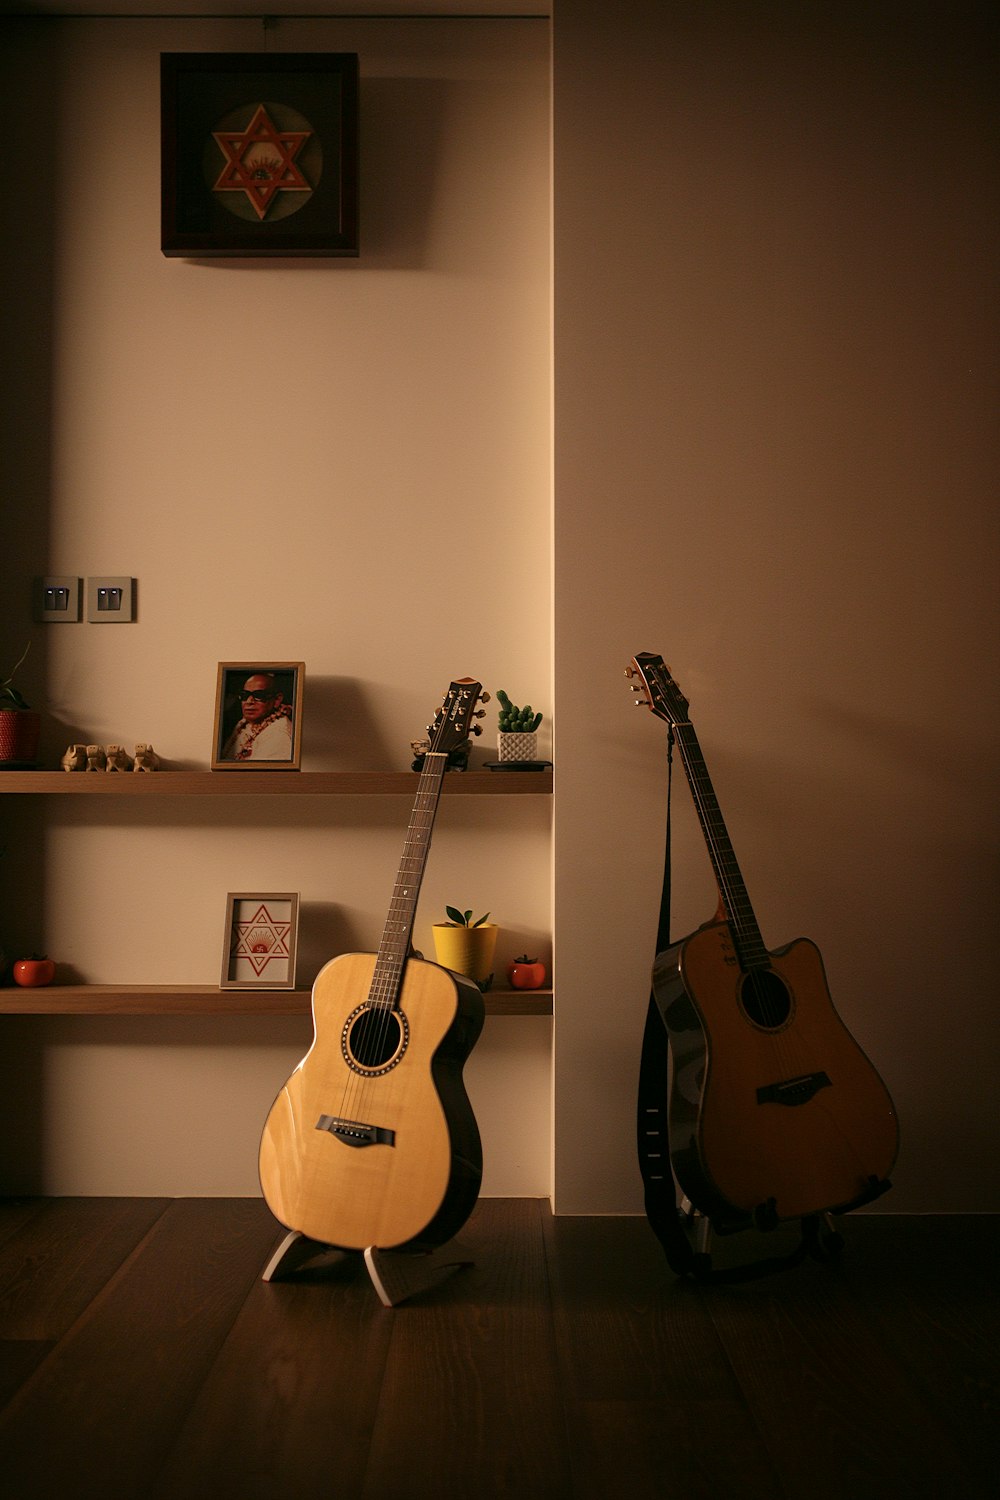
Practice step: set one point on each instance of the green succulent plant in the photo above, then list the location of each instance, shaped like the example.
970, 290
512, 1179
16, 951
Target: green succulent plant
514, 720
10, 697
463, 918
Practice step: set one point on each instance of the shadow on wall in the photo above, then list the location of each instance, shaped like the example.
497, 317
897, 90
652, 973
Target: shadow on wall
402, 123
30, 88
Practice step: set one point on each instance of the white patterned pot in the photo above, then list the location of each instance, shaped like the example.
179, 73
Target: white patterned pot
518, 746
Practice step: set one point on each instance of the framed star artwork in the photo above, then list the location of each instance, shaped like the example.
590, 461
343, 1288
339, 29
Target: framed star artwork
262, 932
259, 154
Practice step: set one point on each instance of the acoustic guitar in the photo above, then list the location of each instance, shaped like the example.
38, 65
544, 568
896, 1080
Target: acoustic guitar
774, 1111
372, 1142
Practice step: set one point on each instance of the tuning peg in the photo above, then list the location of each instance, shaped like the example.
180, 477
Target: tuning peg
480, 713
484, 697
476, 729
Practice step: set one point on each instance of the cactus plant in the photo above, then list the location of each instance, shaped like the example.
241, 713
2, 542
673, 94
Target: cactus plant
514, 720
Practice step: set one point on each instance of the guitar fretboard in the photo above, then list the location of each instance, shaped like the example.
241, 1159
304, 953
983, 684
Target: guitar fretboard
746, 934
398, 931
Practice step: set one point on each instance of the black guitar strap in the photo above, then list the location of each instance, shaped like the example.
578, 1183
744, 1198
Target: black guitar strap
652, 1131
652, 1138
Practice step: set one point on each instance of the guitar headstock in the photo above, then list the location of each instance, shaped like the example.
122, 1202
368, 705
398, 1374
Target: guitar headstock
658, 691
453, 722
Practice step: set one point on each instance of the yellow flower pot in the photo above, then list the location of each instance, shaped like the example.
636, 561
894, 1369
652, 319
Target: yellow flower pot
467, 950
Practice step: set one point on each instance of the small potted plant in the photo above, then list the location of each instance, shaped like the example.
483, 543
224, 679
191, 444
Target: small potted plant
517, 739
467, 947
19, 725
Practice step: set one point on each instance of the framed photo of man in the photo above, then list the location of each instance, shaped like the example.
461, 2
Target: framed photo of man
258, 716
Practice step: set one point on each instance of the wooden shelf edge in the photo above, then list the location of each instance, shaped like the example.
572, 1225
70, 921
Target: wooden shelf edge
267, 783
206, 1000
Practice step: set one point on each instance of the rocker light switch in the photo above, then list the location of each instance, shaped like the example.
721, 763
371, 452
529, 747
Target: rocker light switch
57, 600
110, 601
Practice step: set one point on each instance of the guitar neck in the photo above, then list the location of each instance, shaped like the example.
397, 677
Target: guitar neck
397, 934
732, 888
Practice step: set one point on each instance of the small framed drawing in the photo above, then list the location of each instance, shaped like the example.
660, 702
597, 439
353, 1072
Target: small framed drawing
259, 153
258, 716
261, 937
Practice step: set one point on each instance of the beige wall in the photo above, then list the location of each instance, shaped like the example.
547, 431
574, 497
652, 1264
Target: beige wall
344, 463
775, 460
775, 464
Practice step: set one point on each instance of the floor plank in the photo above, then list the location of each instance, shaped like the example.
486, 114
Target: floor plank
470, 1402
16, 1212
18, 1359
926, 1287
59, 1258
97, 1416
628, 1327
141, 1357
839, 1411
653, 1406
295, 1390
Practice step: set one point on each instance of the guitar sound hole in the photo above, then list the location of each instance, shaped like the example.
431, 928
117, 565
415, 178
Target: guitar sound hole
374, 1038
765, 999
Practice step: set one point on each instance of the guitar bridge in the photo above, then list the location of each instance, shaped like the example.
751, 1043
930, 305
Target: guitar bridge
355, 1133
793, 1091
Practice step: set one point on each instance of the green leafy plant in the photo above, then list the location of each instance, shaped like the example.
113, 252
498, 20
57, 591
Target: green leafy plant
514, 720
463, 918
10, 697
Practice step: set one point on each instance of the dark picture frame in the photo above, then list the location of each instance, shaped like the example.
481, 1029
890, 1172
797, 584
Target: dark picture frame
258, 716
259, 153
261, 939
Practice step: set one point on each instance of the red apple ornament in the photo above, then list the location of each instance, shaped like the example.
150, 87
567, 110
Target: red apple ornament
34, 971
526, 974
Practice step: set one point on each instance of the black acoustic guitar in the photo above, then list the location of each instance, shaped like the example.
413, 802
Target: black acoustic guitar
774, 1110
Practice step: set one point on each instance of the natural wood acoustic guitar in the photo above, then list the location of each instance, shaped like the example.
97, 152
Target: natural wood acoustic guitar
372, 1142
774, 1110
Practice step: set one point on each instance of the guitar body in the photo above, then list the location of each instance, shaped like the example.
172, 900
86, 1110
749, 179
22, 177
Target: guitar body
774, 1110
372, 1140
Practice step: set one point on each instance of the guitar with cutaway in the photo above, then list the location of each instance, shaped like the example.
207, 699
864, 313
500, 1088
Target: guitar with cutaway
774, 1110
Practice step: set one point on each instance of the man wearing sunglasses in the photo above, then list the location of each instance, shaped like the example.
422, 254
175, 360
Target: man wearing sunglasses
265, 730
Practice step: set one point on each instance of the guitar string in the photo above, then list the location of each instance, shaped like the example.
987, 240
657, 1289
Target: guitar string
363, 1044
789, 1045
376, 1020
665, 698
382, 1014
742, 921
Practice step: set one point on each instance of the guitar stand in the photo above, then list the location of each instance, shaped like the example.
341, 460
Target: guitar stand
396, 1275
820, 1238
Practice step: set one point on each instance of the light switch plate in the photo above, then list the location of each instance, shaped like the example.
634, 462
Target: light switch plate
110, 601
57, 600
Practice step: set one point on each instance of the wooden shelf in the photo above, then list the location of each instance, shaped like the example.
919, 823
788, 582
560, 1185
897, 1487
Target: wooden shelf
208, 1000
277, 783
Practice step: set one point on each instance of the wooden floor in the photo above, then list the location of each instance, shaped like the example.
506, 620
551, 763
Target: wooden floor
141, 1355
